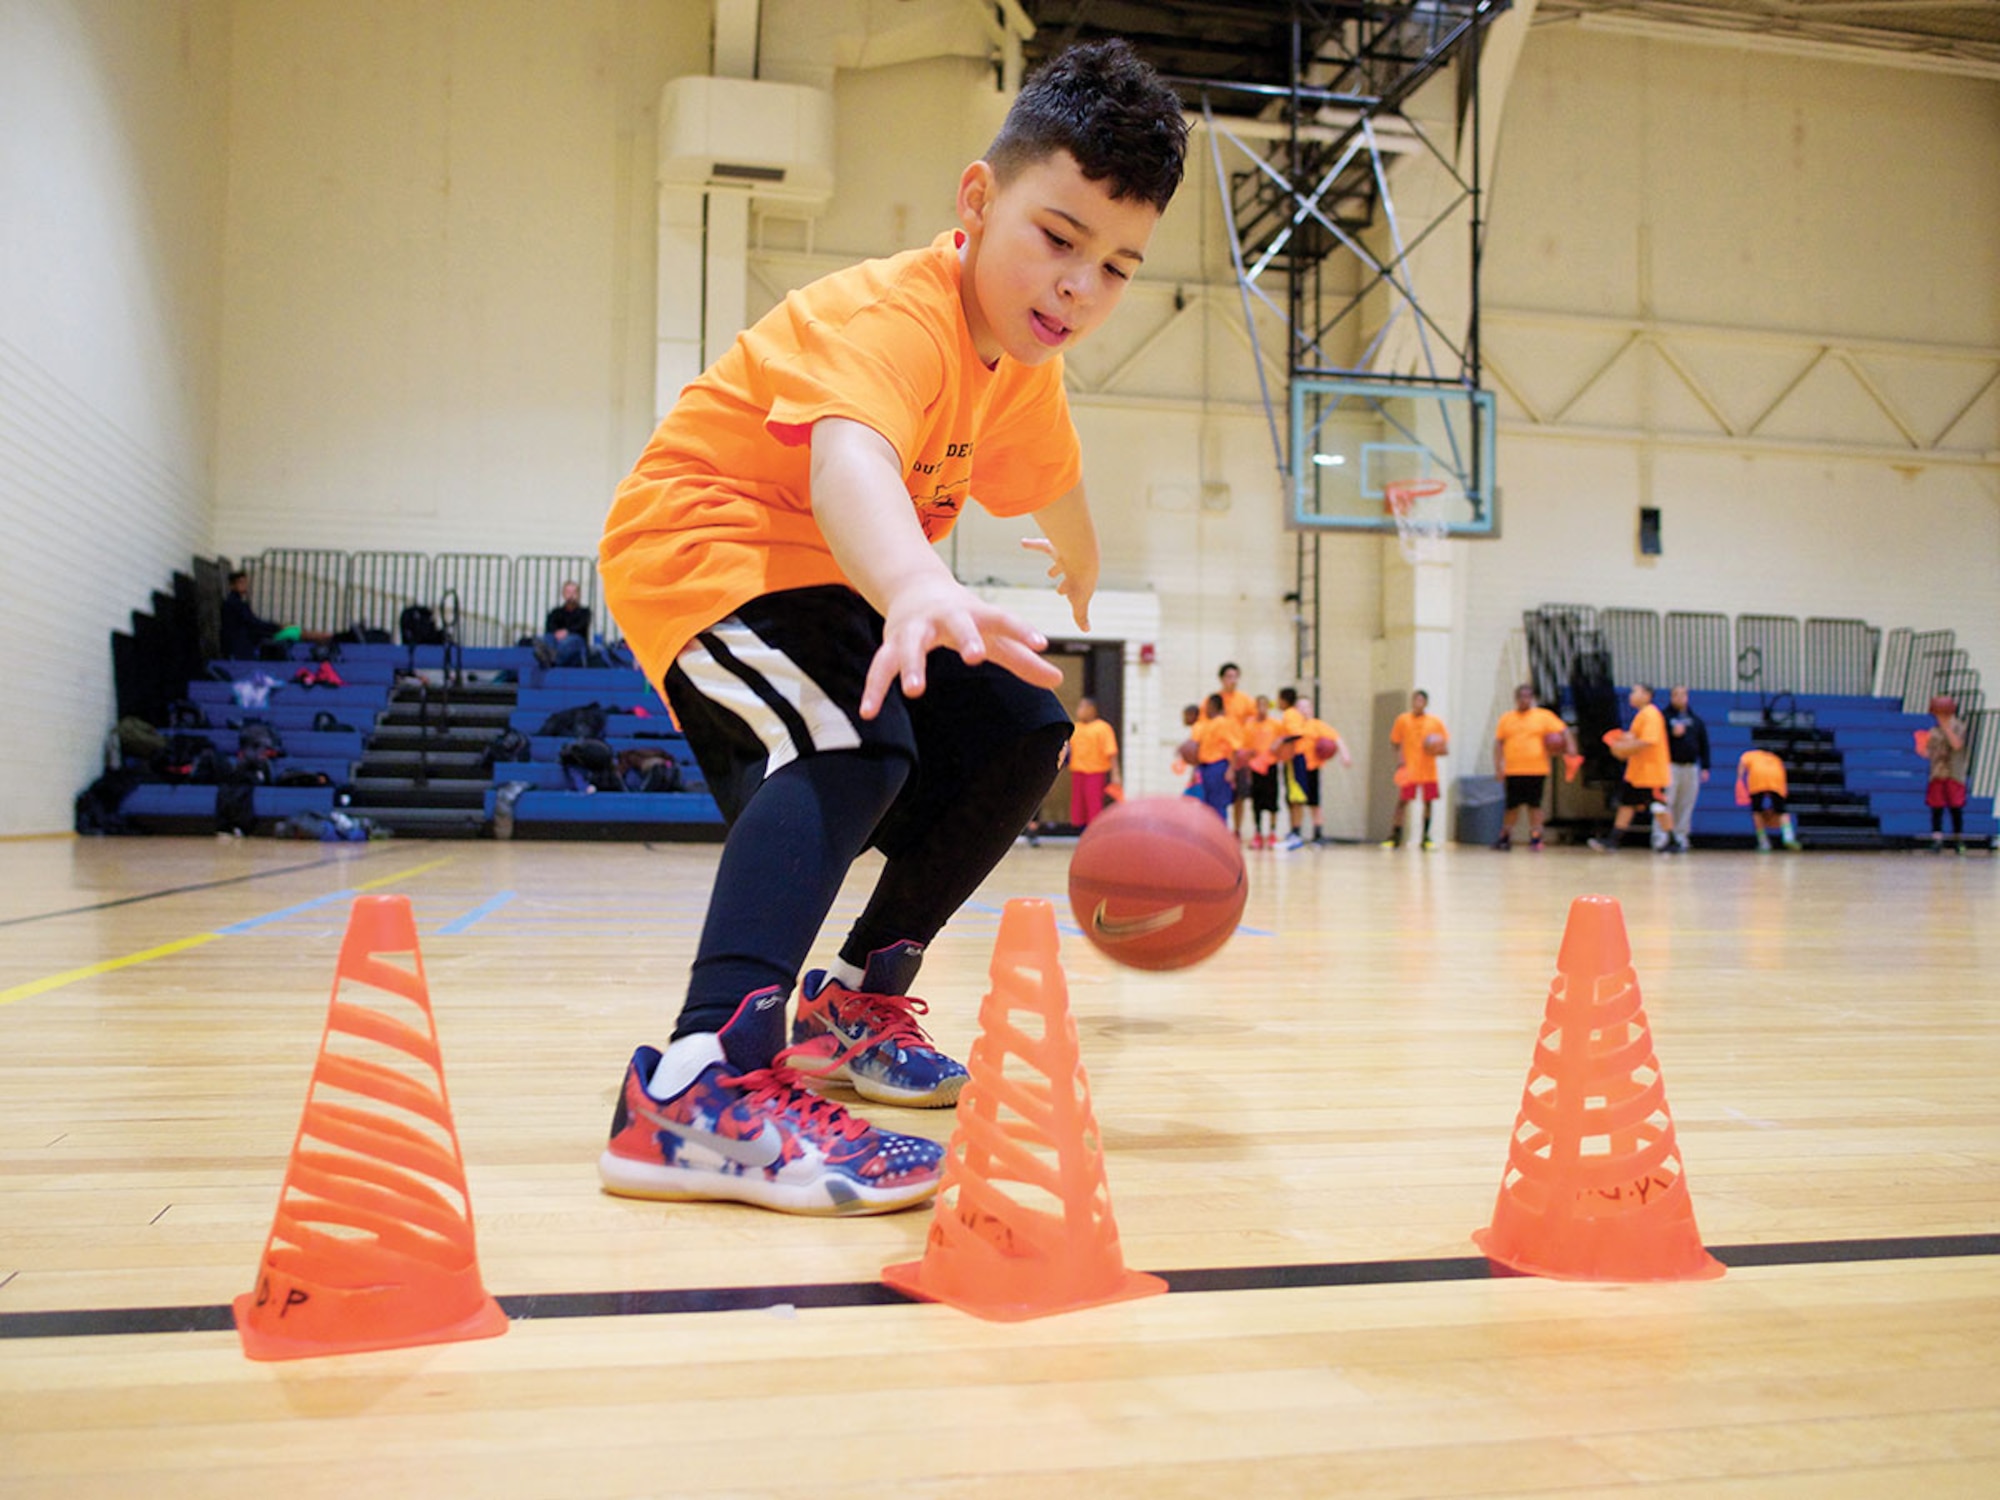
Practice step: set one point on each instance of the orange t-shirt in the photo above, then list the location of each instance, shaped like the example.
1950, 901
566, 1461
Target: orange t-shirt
718, 510
1649, 765
1092, 747
1239, 706
1410, 732
1315, 730
1522, 752
1217, 739
1761, 771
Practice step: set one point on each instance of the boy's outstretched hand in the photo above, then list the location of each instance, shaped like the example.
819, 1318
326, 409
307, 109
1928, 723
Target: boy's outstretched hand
942, 612
1074, 582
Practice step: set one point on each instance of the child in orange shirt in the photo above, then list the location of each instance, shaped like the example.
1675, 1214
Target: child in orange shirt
1648, 770
1093, 763
770, 561
1521, 756
1420, 735
1761, 785
1218, 749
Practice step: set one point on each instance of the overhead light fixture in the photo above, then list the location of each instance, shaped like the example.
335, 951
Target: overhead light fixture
1329, 460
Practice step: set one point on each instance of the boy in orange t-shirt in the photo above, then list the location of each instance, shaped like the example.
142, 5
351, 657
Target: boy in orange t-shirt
1218, 750
1762, 786
1093, 763
1521, 757
1648, 770
1420, 736
1240, 706
770, 561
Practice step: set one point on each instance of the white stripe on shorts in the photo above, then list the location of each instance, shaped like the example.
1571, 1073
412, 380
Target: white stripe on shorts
826, 722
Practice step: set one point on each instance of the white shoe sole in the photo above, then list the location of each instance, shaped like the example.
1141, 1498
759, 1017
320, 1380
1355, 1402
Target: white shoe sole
637, 1179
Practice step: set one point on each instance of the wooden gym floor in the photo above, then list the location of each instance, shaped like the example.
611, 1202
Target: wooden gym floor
1302, 1132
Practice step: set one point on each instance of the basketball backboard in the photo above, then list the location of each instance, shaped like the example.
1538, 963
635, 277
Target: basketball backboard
1352, 439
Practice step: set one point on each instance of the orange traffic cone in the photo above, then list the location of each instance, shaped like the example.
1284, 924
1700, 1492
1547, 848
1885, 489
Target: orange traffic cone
1594, 1188
396, 1264
1022, 1141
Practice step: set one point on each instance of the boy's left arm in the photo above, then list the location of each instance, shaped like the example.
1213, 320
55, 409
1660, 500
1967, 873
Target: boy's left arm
1069, 537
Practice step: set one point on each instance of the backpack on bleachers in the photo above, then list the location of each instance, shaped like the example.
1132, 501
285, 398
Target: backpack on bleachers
507, 746
325, 723
589, 765
584, 722
359, 634
185, 713
189, 757
97, 805
419, 626
138, 740
258, 743
649, 771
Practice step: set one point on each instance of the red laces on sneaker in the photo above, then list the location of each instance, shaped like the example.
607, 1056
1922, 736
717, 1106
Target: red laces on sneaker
785, 1088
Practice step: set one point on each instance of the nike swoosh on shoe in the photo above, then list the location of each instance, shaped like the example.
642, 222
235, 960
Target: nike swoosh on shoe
760, 1152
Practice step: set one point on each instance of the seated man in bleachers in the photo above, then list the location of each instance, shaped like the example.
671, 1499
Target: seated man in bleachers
244, 631
565, 638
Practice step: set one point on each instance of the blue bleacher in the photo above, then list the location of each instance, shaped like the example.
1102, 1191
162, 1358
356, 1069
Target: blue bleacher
369, 696
1877, 744
182, 802
583, 812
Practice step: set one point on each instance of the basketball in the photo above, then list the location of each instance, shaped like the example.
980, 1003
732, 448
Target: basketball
1157, 883
1435, 743
1555, 741
1943, 706
1326, 749
1189, 752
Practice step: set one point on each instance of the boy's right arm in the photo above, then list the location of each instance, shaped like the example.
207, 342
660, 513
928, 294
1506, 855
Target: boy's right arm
868, 521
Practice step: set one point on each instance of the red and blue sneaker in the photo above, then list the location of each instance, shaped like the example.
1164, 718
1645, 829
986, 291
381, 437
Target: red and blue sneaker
870, 1038
755, 1135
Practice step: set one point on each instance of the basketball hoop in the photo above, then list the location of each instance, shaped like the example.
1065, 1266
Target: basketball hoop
1421, 528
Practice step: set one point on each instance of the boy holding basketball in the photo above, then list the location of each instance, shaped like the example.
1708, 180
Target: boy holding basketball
1420, 736
1948, 751
1643, 748
1522, 743
770, 561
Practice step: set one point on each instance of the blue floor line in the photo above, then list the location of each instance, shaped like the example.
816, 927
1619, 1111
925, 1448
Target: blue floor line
478, 913
278, 916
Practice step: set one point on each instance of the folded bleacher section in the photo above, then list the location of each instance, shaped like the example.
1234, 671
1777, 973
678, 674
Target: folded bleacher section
1838, 701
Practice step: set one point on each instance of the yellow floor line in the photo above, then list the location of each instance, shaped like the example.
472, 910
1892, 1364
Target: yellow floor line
57, 981
178, 945
369, 885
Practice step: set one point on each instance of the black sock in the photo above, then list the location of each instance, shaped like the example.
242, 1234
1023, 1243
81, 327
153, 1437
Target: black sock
787, 853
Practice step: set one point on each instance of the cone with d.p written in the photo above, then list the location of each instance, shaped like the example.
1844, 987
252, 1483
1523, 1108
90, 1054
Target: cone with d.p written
1023, 1224
372, 1246
1594, 1188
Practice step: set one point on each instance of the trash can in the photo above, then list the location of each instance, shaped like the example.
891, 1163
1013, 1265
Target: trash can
1482, 808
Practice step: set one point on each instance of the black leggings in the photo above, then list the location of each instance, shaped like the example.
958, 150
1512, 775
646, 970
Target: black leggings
1957, 820
790, 848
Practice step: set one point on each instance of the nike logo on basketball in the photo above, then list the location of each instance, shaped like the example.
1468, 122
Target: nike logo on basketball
1115, 929
761, 1151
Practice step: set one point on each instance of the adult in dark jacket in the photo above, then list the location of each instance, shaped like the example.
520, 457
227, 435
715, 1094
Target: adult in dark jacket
1687, 748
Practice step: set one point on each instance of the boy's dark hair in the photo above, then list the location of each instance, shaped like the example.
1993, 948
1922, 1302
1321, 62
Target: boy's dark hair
1214, 703
1289, 696
1104, 105
1228, 666
238, 574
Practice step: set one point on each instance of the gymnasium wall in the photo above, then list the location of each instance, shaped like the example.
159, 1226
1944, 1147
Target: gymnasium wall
113, 157
1786, 234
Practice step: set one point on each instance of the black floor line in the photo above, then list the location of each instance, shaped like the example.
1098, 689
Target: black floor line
178, 890
88, 1322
